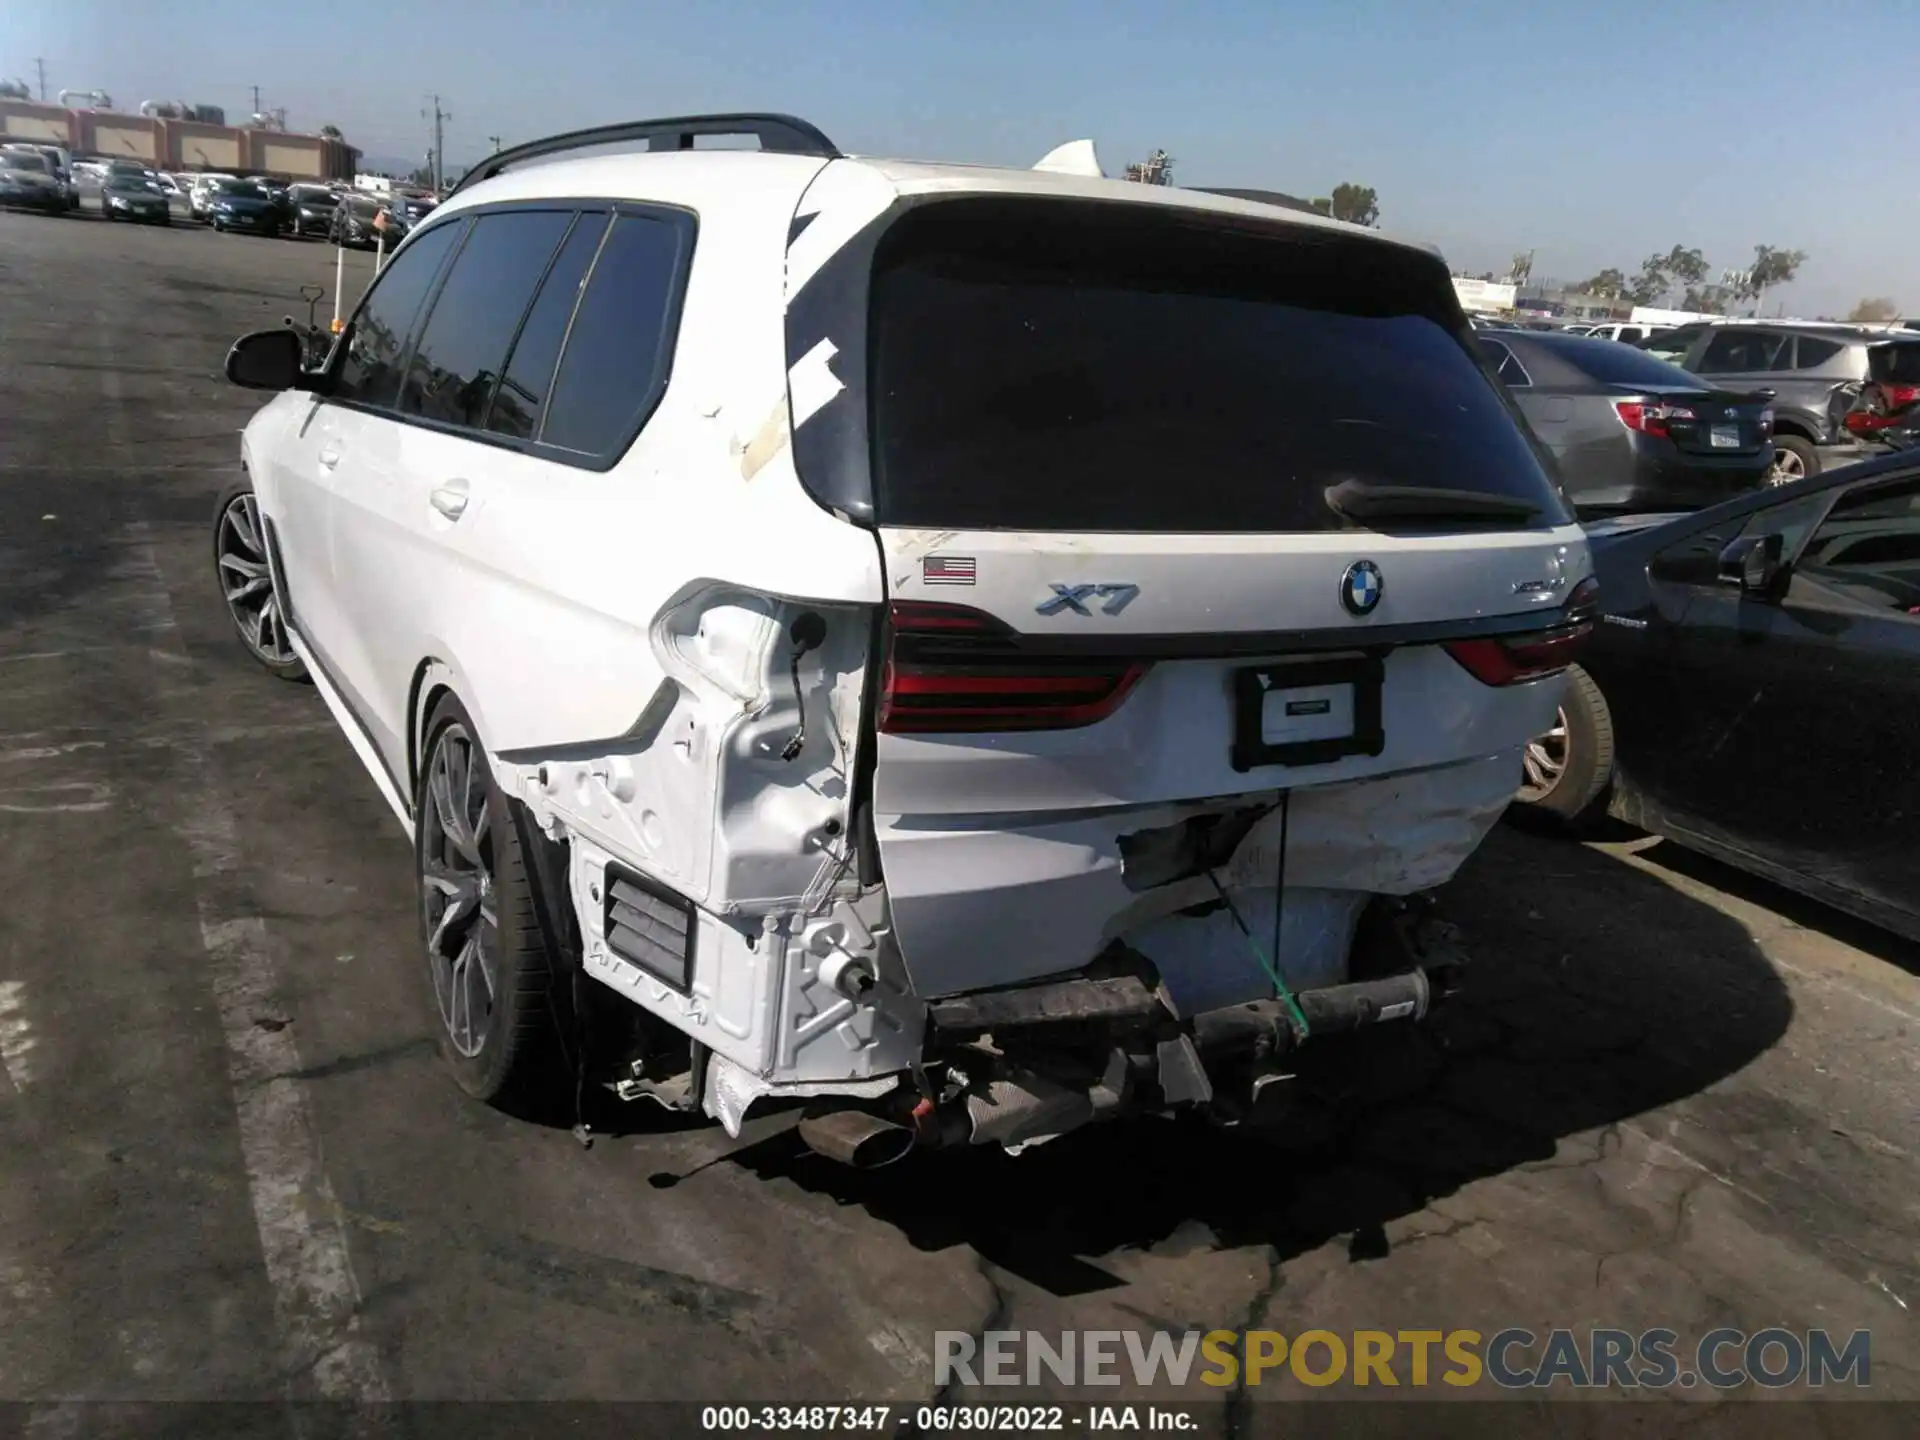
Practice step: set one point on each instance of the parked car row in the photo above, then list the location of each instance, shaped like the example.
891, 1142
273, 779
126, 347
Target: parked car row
1700, 412
126, 189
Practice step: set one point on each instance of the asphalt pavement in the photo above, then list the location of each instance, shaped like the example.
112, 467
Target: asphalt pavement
231, 1168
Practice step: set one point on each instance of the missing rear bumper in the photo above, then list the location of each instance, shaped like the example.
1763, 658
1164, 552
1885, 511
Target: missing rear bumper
1019, 1067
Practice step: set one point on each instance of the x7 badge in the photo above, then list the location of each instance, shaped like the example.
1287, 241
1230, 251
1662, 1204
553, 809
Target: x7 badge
1112, 598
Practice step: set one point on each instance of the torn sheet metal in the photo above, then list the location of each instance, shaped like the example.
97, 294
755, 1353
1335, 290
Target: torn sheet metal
732, 1092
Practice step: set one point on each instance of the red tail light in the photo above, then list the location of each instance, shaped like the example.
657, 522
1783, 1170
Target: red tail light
952, 669
1513, 659
1898, 397
1650, 418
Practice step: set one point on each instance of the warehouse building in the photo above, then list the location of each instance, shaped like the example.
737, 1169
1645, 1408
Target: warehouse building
179, 144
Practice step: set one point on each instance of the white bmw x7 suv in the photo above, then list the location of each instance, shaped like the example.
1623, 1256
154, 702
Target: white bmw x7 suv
974, 651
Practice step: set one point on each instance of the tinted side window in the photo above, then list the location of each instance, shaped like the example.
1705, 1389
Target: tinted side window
621, 345
523, 390
463, 348
1504, 365
1739, 351
1869, 545
1792, 521
1811, 350
369, 372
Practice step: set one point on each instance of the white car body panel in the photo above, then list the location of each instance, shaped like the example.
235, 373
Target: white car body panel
620, 639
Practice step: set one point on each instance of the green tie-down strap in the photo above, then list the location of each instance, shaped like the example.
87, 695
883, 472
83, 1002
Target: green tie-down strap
1295, 1017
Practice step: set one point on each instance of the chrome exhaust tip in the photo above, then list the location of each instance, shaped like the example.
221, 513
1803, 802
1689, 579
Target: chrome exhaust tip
856, 1138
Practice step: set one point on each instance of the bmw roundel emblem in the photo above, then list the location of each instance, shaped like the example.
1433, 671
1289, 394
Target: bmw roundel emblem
1361, 587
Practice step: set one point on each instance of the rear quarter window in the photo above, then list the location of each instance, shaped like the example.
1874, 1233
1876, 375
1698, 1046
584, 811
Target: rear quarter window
619, 348
1055, 366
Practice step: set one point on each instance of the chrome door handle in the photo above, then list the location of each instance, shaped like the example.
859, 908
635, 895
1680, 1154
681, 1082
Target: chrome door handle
329, 457
450, 499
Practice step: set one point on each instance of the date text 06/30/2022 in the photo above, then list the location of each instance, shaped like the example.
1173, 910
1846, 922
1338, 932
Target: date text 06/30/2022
940, 1419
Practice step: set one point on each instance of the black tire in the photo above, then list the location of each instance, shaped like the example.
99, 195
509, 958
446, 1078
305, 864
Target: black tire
519, 1062
1803, 453
1574, 799
266, 644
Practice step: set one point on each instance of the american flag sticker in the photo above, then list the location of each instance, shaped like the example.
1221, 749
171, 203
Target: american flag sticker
947, 570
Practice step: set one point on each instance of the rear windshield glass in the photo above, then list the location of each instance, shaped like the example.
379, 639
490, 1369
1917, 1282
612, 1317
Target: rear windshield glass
1614, 364
1895, 364
1046, 366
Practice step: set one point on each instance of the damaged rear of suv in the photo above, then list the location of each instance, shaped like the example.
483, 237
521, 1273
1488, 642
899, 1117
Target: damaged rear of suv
1023, 659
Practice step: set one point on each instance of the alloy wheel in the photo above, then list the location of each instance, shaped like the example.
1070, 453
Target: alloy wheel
247, 582
1787, 467
1545, 761
457, 890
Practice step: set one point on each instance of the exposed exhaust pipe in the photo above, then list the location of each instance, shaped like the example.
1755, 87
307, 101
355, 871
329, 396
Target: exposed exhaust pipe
856, 1138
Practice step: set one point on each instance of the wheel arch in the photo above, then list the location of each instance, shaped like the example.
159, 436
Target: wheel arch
1793, 425
432, 678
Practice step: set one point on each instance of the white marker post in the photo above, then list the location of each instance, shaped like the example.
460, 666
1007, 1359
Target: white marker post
380, 223
339, 282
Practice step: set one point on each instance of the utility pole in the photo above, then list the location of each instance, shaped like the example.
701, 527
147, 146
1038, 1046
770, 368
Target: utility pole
494, 140
256, 101
41, 67
440, 117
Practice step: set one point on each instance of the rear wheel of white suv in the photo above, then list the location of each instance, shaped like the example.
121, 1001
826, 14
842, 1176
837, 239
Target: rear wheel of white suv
491, 974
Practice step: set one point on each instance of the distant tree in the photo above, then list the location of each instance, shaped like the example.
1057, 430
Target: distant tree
422, 177
1659, 275
1609, 283
1705, 299
1771, 267
1873, 310
1356, 204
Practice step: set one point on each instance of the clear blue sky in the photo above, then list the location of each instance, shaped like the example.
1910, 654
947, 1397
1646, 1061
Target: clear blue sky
1590, 133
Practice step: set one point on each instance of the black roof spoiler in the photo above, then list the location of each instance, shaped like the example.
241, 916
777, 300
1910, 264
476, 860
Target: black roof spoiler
782, 134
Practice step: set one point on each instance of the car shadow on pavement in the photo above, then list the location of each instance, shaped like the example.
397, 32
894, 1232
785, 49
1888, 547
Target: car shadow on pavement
1596, 993
1789, 905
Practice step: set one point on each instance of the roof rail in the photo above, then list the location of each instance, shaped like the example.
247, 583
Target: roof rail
784, 134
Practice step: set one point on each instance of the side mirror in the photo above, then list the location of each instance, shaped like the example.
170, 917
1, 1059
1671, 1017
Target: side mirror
1754, 564
267, 360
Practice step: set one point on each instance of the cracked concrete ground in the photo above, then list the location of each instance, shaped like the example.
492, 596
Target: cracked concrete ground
230, 1167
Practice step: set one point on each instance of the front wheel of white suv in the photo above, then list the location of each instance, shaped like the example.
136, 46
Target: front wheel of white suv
1569, 769
492, 976
246, 582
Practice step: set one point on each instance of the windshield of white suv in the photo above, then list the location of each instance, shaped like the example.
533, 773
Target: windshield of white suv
1059, 367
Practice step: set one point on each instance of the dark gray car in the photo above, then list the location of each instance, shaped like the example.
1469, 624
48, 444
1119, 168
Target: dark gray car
1629, 431
1809, 367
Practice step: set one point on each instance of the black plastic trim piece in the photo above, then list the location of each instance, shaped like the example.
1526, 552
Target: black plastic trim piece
318, 658
780, 134
643, 949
